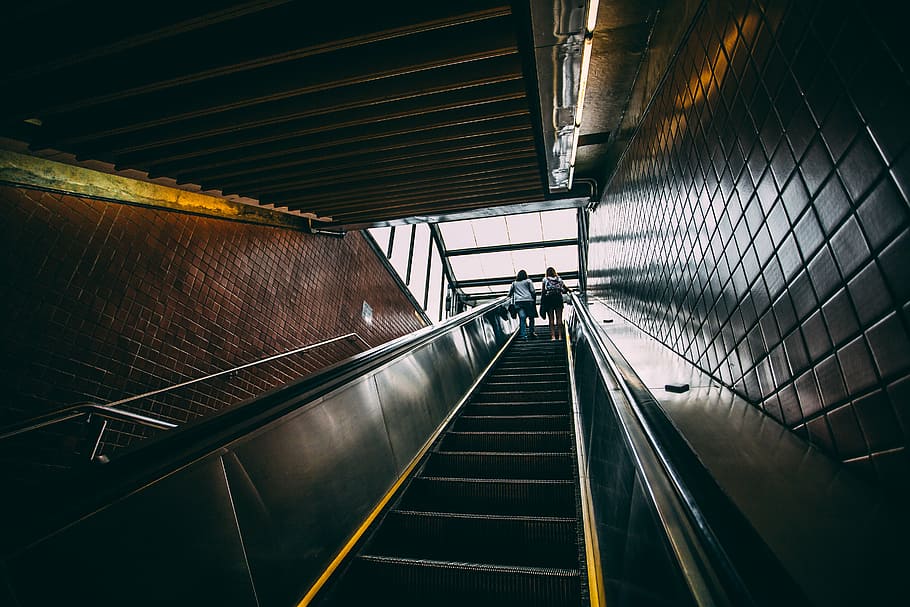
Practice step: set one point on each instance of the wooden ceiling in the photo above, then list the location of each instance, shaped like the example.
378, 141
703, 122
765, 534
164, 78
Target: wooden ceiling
353, 113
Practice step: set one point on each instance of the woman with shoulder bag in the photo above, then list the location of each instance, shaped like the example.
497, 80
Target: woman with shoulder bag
552, 289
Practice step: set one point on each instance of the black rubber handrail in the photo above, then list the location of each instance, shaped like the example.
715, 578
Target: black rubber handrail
690, 539
738, 563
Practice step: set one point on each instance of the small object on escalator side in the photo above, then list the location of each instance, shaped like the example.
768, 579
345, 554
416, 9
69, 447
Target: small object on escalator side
679, 388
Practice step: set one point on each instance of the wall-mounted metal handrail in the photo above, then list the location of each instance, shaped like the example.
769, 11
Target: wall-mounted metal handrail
324, 342
78, 410
689, 536
110, 410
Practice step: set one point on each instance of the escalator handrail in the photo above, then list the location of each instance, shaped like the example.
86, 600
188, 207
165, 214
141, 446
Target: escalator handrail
691, 539
91, 488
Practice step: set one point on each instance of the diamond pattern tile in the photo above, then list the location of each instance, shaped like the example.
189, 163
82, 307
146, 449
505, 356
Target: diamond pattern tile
758, 222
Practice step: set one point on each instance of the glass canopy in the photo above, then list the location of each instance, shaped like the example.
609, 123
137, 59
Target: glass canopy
483, 255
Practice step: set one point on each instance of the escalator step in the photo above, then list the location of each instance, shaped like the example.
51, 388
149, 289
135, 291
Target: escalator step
529, 368
540, 442
527, 385
491, 496
551, 466
527, 408
520, 377
513, 423
402, 581
539, 347
499, 540
520, 396
531, 360
528, 357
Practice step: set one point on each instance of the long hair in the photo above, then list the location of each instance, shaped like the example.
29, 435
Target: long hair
522, 275
551, 272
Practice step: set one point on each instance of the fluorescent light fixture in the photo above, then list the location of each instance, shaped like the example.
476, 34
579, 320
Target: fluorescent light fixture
591, 21
563, 32
583, 81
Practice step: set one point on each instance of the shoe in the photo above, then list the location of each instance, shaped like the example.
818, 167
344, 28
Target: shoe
533, 335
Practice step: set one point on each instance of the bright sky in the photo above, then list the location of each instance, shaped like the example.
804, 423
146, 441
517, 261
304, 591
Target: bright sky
512, 229
489, 231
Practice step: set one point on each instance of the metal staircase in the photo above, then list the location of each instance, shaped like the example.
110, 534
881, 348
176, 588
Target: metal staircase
492, 515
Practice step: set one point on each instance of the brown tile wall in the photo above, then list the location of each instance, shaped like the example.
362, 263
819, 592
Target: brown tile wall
102, 301
759, 222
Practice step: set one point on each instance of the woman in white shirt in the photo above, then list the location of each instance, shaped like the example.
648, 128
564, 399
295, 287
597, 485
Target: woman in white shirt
524, 298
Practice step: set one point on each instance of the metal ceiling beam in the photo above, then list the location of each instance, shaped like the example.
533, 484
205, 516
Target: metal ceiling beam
377, 214
433, 197
406, 175
504, 280
404, 146
126, 136
181, 25
529, 205
441, 246
325, 170
350, 59
353, 138
404, 189
414, 111
519, 246
396, 199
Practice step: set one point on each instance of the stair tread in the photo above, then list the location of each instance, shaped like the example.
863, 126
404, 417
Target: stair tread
487, 517
482, 401
479, 481
469, 566
531, 415
513, 432
507, 453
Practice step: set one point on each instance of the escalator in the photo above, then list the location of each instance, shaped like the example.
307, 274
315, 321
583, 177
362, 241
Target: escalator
462, 449
492, 514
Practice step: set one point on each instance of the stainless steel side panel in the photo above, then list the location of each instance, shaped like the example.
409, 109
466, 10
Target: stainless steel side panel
483, 338
175, 542
417, 393
302, 485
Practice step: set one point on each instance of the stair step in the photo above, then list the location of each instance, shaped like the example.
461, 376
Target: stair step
491, 496
527, 385
551, 466
407, 582
534, 358
540, 442
520, 377
511, 408
490, 539
512, 423
521, 396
